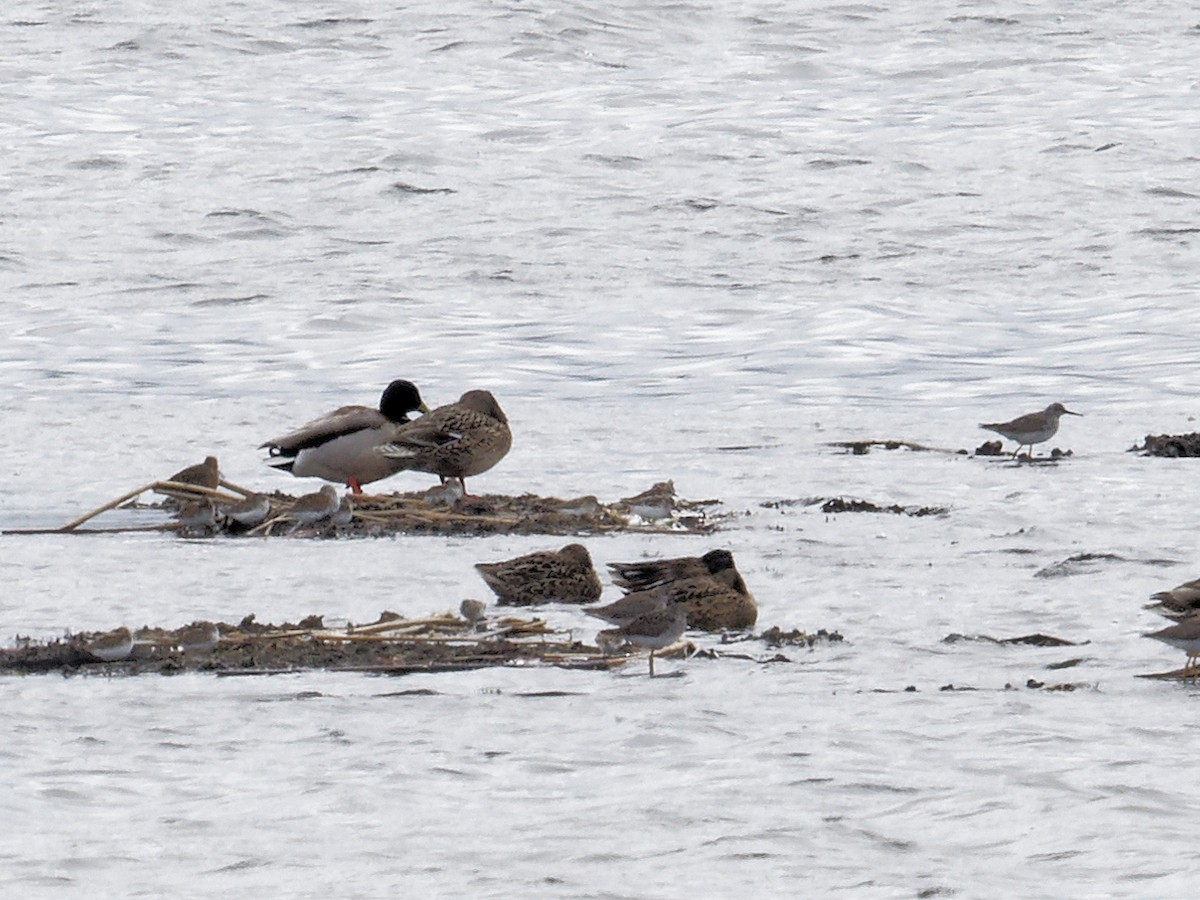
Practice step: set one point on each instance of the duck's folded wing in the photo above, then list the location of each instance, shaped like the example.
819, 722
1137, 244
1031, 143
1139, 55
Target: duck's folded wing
346, 420
419, 435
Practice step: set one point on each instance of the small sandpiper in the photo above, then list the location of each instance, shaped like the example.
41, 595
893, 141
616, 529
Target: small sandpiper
112, 646
196, 518
1032, 428
312, 508
199, 637
653, 630
473, 611
629, 607
205, 474
1185, 636
248, 513
1177, 603
343, 515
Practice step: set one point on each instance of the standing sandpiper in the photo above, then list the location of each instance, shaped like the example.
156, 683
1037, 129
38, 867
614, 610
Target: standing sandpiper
1033, 428
1184, 636
653, 630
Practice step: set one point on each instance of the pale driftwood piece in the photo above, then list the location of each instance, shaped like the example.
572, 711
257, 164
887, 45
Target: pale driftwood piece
190, 491
435, 516
245, 492
396, 639
75, 523
403, 624
265, 528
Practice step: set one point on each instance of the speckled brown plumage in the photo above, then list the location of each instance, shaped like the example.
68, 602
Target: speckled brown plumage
458, 440
713, 602
565, 576
649, 573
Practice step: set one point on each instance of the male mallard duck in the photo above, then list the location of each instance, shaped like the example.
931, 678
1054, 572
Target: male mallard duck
640, 576
340, 447
565, 575
454, 441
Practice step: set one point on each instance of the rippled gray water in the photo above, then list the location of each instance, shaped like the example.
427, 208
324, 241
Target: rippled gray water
689, 240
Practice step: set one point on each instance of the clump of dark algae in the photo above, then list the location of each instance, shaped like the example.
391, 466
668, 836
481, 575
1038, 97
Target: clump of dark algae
1173, 446
835, 505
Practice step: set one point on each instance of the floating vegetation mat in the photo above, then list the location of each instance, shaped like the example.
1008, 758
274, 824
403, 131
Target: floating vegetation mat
390, 646
197, 511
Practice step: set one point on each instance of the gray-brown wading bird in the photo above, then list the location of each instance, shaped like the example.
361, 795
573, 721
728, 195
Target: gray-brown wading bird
340, 447
653, 630
205, 474
309, 509
1033, 428
1178, 602
563, 576
111, 646
248, 512
1185, 636
458, 440
197, 638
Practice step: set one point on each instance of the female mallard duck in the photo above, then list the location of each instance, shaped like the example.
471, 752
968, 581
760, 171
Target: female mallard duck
640, 576
565, 576
454, 441
340, 447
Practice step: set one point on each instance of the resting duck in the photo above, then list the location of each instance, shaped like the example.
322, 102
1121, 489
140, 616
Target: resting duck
565, 576
340, 447
649, 573
454, 441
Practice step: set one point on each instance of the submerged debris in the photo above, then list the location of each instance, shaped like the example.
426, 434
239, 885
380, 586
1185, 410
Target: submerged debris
1084, 563
1170, 445
862, 448
833, 505
1034, 640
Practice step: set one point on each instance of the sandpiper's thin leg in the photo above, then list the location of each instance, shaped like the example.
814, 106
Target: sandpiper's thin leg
651, 663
